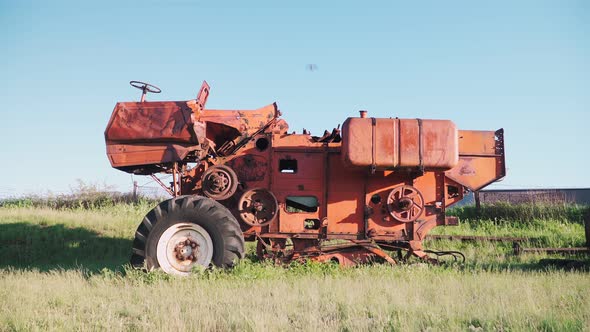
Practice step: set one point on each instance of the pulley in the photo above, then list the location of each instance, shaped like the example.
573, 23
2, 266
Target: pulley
219, 182
405, 203
258, 207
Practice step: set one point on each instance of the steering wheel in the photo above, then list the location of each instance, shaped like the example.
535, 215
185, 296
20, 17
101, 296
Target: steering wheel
145, 88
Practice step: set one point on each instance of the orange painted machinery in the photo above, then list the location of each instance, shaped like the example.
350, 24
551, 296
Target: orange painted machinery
375, 186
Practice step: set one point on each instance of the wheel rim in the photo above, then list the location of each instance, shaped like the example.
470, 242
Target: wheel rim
184, 246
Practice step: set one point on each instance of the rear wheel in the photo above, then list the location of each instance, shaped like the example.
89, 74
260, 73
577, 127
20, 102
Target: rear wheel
187, 232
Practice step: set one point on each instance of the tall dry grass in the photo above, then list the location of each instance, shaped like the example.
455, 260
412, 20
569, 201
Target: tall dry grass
88, 196
371, 298
64, 269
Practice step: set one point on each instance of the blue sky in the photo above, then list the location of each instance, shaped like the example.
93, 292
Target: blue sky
520, 65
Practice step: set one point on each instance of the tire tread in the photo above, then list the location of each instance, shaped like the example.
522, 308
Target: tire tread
214, 216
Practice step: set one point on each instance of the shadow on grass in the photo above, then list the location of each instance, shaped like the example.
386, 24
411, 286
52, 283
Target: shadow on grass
490, 256
33, 246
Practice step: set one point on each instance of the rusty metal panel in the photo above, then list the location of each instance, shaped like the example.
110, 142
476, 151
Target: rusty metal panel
244, 121
440, 147
409, 148
386, 140
301, 178
475, 172
357, 140
477, 142
203, 95
128, 155
481, 159
150, 122
345, 198
399, 143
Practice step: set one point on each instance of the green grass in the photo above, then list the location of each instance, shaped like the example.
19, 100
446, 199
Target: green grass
502, 212
64, 269
408, 298
46, 239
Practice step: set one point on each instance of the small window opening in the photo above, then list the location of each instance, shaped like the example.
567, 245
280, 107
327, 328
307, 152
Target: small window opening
288, 166
295, 204
311, 224
453, 191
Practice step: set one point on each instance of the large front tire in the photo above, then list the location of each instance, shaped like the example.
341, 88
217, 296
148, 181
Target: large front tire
186, 232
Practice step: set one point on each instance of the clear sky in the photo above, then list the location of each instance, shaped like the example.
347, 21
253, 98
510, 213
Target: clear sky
520, 65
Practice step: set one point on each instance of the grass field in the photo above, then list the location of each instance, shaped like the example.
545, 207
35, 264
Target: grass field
64, 269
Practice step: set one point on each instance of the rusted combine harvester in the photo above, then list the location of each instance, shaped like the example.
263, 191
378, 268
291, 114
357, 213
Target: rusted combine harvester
377, 185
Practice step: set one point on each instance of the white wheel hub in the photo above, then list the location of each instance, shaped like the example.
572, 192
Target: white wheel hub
183, 246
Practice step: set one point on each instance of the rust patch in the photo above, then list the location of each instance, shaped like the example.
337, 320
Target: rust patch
249, 167
467, 167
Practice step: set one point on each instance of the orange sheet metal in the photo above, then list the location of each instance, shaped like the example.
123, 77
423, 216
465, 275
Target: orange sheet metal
481, 159
399, 143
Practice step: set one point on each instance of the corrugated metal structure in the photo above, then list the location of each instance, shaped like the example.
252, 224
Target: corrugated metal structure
515, 196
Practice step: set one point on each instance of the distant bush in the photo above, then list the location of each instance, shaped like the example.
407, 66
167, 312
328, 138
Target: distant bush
525, 212
84, 196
